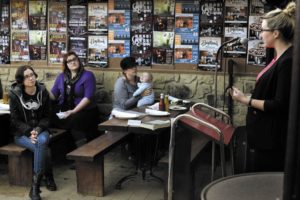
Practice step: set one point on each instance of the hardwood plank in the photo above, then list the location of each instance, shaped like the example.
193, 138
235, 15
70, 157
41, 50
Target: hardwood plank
97, 147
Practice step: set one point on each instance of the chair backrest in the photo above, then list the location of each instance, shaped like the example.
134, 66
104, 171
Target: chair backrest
226, 129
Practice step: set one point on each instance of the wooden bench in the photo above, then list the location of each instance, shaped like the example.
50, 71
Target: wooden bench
89, 162
20, 160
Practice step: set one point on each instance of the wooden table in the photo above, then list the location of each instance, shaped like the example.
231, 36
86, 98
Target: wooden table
141, 136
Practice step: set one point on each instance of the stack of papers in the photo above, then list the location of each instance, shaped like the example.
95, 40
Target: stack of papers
156, 112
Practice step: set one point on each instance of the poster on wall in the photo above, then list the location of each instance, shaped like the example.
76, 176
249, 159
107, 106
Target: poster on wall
186, 54
79, 46
211, 18
119, 24
119, 4
141, 48
118, 48
141, 32
37, 15
208, 47
236, 11
19, 46
97, 50
256, 7
187, 6
77, 20
4, 49
19, 15
97, 17
186, 26
58, 17
256, 53
37, 45
57, 47
5, 23
256, 50
231, 32
5, 33
163, 43
142, 16
164, 8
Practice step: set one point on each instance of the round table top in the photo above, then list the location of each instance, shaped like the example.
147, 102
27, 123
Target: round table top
258, 186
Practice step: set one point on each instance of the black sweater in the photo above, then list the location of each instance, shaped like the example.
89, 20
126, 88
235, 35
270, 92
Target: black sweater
268, 129
24, 120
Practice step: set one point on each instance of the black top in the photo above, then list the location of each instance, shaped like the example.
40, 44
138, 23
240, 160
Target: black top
268, 129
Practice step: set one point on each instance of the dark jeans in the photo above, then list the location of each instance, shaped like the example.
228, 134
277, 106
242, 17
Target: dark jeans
39, 149
82, 125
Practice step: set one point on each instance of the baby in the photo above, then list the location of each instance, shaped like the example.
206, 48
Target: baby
146, 83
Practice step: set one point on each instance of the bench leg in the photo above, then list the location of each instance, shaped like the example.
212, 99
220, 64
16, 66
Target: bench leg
90, 177
20, 169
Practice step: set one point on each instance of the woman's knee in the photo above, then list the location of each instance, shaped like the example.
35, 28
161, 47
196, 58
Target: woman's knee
43, 138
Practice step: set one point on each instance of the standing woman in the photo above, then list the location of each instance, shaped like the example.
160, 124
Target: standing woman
30, 115
74, 91
267, 117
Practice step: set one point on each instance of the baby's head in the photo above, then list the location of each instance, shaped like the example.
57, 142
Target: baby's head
146, 77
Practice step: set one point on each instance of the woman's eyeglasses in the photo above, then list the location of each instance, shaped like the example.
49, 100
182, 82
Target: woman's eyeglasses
267, 30
72, 60
28, 76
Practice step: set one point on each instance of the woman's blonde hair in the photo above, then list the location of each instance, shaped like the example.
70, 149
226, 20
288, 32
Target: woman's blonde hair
282, 20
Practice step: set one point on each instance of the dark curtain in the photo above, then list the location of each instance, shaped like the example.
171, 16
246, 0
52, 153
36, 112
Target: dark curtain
291, 190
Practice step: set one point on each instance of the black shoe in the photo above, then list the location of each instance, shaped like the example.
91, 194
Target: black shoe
50, 183
34, 193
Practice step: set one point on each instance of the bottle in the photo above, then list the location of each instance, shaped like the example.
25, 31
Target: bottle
166, 101
161, 102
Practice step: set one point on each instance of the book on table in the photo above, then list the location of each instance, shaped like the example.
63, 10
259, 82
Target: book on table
152, 125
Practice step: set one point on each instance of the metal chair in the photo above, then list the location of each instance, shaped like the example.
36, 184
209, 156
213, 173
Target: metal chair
219, 131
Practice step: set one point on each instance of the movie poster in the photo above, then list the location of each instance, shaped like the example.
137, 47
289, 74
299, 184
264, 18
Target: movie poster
97, 50
37, 15
58, 17
208, 47
97, 17
19, 15
79, 46
5, 33
57, 47
37, 45
77, 20
19, 46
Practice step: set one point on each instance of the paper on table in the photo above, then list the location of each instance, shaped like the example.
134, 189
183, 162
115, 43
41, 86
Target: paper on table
154, 106
122, 114
4, 106
156, 112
